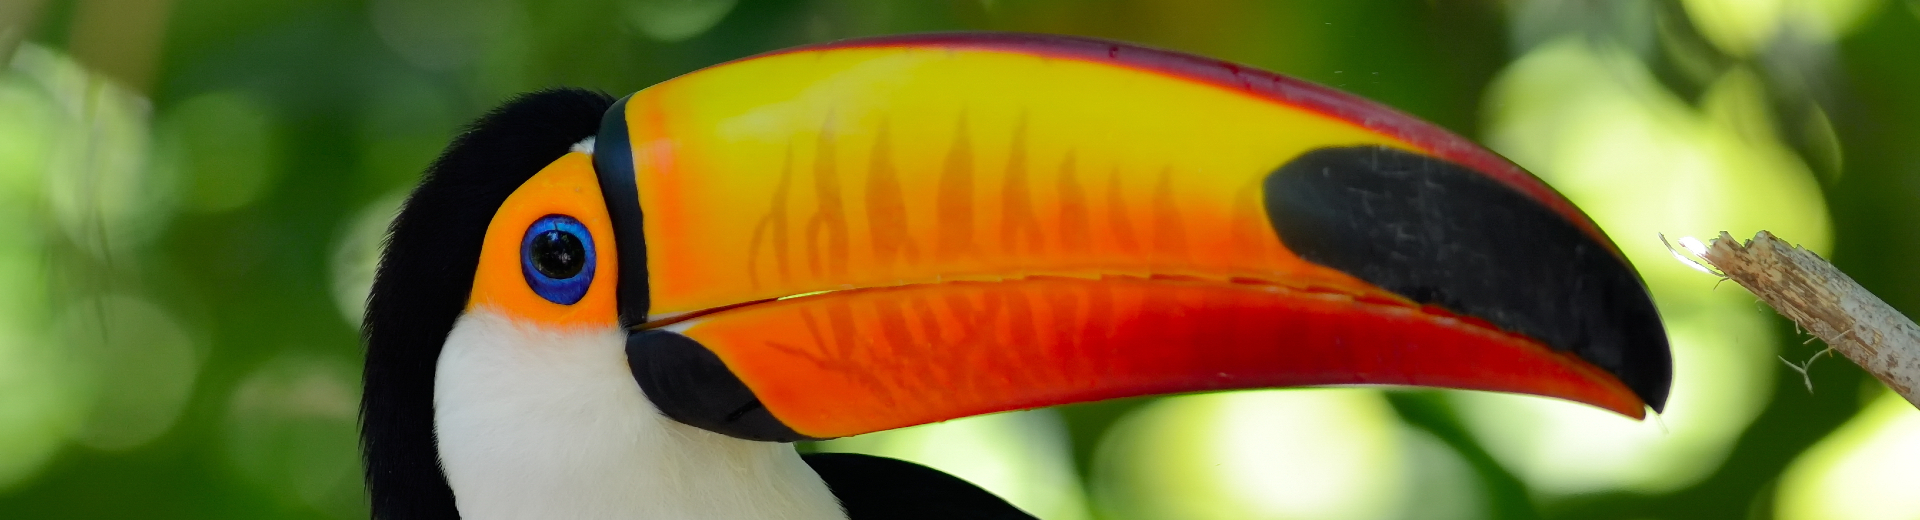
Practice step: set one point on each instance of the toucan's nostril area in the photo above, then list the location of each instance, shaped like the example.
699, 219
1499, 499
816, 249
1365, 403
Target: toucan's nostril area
690, 384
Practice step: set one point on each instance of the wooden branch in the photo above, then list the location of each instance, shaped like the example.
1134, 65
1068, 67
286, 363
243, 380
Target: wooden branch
1807, 289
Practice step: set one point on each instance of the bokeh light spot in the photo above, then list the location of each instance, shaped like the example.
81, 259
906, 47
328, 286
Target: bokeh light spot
290, 429
1835, 18
1745, 27
1297, 453
28, 123
356, 255
438, 34
676, 20
1563, 448
38, 406
142, 367
228, 146
1440, 483
1866, 470
1738, 27
1592, 121
40, 402
105, 194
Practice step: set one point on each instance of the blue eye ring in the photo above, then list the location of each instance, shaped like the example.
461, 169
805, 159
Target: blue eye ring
558, 259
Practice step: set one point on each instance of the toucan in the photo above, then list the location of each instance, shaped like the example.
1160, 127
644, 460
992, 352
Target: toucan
632, 308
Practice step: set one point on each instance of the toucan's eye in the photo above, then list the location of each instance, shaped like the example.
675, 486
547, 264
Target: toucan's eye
557, 258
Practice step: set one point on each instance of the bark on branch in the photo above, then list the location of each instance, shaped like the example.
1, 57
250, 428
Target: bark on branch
1807, 289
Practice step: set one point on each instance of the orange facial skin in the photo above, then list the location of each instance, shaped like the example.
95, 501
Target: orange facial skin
565, 187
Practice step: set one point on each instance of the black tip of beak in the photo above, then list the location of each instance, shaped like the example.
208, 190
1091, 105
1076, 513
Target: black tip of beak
1443, 234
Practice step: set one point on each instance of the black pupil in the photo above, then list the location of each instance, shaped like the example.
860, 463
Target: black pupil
558, 254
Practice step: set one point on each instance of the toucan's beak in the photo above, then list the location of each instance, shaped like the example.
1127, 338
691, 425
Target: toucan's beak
863, 236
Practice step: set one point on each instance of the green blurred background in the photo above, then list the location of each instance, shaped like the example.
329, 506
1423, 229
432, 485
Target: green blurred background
193, 191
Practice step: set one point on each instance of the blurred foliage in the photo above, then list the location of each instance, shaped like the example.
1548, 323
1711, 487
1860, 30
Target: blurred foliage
195, 191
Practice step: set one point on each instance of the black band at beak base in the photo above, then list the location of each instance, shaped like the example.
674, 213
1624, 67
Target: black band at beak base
613, 163
689, 383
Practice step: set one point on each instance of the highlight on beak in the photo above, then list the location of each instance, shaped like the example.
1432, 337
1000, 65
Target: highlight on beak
879, 233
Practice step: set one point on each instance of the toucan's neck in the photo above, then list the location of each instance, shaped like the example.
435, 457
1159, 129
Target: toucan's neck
540, 423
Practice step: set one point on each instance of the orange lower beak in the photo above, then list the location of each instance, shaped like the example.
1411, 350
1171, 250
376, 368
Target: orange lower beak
851, 362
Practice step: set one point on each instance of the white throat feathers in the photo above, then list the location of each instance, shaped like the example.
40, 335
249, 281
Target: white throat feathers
535, 422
